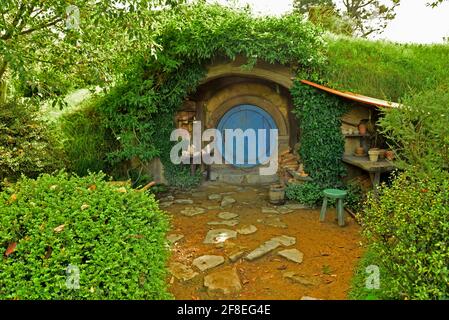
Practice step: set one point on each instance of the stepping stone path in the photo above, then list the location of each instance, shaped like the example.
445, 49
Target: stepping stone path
223, 282
229, 223
247, 229
219, 235
298, 279
227, 215
192, 211
269, 246
214, 196
173, 238
227, 201
208, 261
292, 254
184, 201
213, 208
181, 271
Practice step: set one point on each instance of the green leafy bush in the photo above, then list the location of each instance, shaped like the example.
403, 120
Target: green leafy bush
419, 131
86, 140
410, 228
307, 193
28, 145
115, 236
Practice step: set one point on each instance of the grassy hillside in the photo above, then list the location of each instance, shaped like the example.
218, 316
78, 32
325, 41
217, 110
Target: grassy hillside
385, 69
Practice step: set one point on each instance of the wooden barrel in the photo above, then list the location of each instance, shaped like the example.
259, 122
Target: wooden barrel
276, 194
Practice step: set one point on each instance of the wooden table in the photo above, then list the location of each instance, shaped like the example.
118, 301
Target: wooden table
373, 168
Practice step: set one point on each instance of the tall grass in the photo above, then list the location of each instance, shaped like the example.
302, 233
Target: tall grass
384, 69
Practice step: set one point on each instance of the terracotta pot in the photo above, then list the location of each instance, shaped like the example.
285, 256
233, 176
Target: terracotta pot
389, 155
362, 129
359, 151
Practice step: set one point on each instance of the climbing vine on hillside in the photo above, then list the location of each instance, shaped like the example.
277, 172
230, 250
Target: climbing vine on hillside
322, 143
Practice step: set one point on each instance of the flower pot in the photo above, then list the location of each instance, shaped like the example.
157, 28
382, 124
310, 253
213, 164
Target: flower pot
359, 151
382, 154
389, 155
276, 194
373, 155
362, 129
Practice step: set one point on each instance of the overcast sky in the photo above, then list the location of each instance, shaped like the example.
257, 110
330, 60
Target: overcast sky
415, 22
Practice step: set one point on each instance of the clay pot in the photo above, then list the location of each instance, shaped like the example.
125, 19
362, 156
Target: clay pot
373, 155
359, 151
276, 194
382, 154
389, 155
362, 129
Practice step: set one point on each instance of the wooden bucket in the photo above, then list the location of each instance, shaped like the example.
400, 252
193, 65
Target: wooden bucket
276, 194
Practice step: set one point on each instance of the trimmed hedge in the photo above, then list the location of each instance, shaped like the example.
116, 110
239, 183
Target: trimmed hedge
115, 236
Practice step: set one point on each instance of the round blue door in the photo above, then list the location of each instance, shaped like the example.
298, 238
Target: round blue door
254, 146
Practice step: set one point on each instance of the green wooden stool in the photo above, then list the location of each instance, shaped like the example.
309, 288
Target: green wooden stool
334, 194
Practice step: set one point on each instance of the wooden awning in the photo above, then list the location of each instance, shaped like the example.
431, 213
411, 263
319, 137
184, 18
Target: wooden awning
354, 97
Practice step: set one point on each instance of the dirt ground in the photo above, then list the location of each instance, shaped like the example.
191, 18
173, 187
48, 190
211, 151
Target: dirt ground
330, 252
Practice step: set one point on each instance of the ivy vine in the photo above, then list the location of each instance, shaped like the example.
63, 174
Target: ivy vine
322, 143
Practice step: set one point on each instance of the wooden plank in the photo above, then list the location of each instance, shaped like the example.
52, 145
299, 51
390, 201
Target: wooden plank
367, 165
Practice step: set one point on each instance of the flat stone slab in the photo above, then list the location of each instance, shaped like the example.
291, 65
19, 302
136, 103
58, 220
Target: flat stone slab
223, 282
227, 201
292, 254
237, 255
199, 194
262, 250
284, 210
309, 298
181, 271
298, 279
213, 207
192, 211
219, 235
285, 240
229, 223
247, 229
165, 204
275, 222
167, 198
214, 196
227, 215
173, 238
183, 201
208, 261
269, 210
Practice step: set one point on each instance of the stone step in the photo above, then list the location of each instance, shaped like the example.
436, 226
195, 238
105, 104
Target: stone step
246, 176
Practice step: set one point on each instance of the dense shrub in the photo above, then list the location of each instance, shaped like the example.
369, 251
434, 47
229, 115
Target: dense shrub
307, 193
28, 145
115, 236
410, 227
419, 131
86, 141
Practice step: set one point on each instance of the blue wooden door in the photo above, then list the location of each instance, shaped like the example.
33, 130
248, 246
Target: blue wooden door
246, 117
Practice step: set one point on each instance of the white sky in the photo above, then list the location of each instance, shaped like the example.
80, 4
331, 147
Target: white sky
415, 22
